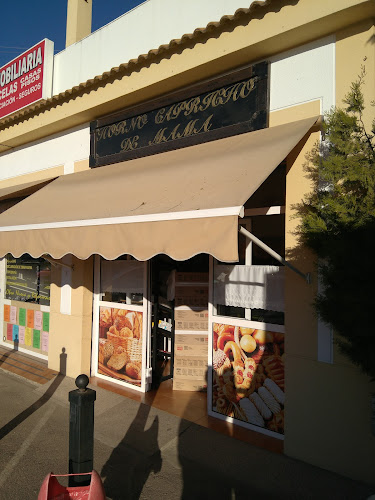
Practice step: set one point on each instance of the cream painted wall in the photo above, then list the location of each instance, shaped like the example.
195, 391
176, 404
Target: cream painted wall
72, 331
71, 149
146, 27
295, 79
327, 405
61, 149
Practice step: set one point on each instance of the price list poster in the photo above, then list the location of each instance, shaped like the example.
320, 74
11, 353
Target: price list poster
28, 326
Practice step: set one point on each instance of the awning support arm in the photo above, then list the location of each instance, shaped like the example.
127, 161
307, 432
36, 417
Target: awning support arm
56, 263
274, 254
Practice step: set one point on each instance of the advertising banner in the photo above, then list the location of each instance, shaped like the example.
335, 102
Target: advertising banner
248, 375
27, 78
120, 344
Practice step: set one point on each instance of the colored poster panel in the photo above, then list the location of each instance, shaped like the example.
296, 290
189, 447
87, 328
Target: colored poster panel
45, 341
36, 339
45, 322
38, 318
248, 375
30, 318
28, 336
9, 331
22, 334
6, 313
13, 314
22, 316
15, 333
120, 344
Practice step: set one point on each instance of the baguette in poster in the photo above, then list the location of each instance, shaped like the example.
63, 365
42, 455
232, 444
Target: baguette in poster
248, 375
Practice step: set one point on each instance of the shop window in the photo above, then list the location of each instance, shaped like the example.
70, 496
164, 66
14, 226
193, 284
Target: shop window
253, 289
121, 281
28, 279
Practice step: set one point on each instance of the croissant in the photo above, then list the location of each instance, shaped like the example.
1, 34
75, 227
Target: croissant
275, 369
232, 346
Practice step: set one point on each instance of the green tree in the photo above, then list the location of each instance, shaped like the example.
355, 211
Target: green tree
338, 224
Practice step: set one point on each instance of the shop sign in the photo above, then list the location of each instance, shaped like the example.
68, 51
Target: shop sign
229, 105
28, 280
27, 78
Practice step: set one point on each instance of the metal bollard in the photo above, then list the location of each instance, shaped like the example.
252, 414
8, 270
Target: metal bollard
81, 431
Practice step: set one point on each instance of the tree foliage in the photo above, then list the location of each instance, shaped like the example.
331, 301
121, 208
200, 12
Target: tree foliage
338, 223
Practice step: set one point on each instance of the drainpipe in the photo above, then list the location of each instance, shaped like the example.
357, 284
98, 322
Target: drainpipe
78, 20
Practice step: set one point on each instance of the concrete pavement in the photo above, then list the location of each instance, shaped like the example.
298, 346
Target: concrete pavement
142, 452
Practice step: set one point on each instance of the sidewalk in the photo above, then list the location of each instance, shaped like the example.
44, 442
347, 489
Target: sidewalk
143, 452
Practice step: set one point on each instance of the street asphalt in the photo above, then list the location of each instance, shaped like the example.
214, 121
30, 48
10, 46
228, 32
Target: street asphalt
142, 452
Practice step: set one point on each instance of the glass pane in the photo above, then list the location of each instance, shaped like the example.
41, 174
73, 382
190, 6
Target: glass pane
122, 281
28, 279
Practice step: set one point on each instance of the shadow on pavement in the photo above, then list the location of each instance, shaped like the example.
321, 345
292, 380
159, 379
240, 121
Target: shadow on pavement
131, 462
5, 356
10, 426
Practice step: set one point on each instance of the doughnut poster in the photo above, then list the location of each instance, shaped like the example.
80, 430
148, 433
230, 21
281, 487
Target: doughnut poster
120, 344
248, 375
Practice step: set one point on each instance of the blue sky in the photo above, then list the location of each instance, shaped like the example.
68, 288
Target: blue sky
24, 23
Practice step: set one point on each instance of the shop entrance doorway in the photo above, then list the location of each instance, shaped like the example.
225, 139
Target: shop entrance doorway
162, 325
137, 306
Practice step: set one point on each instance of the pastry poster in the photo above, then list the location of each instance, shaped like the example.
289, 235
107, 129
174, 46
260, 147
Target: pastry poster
120, 344
248, 375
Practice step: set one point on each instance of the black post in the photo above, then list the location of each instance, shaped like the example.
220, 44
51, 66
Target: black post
81, 431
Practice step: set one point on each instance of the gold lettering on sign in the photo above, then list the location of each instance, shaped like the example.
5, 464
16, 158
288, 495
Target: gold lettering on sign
121, 128
214, 99
129, 143
192, 128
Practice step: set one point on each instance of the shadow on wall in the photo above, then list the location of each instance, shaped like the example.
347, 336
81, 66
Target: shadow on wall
16, 421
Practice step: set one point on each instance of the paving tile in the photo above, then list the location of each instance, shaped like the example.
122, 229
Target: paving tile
26, 366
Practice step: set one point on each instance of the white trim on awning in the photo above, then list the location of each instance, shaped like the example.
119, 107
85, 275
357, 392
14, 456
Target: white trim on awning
191, 214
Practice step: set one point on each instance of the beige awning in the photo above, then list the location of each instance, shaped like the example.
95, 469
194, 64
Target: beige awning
178, 203
25, 189
12, 195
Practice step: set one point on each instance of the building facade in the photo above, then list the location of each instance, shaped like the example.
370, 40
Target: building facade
121, 203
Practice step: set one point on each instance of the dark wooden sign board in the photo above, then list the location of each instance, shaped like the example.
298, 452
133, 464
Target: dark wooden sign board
229, 105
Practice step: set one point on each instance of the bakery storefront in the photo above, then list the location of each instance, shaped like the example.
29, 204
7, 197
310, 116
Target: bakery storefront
184, 213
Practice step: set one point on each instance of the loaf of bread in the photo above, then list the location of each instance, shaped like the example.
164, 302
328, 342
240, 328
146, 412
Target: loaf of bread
106, 350
118, 361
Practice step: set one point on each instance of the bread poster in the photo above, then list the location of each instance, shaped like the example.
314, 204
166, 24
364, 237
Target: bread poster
120, 344
248, 375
